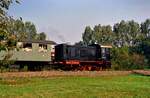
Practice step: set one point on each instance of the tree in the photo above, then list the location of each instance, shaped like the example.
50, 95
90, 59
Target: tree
87, 35
133, 33
122, 59
4, 22
4, 5
144, 49
41, 36
24, 30
19, 29
7, 38
126, 33
97, 34
102, 34
30, 29
120, 30
145, 28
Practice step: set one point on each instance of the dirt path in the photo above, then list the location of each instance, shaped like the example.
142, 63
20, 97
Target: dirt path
62, 73
142, 72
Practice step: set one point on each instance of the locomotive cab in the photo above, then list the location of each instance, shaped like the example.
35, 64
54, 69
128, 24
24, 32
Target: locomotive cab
105, 55
105, 51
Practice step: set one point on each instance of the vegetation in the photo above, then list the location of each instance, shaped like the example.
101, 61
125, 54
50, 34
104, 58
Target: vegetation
130, 41
25, 30
77, 87
122, 59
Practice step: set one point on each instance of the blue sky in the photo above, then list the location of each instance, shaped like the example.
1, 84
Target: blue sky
65, 20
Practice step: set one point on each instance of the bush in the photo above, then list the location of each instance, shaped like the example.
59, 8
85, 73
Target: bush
122, 59
4, 64
137, 61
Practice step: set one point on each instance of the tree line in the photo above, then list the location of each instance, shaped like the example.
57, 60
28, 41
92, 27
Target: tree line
130, 41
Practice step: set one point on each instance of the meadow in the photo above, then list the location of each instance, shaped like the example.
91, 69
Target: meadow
109, 86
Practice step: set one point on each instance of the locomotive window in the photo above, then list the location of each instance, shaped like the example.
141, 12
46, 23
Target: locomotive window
103, 50
92, 53
73, 52
83, 53
107, 54
19, 45
42, 48
27, 46
103, 53
107, 51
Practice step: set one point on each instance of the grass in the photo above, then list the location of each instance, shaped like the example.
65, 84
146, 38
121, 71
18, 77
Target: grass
129, 86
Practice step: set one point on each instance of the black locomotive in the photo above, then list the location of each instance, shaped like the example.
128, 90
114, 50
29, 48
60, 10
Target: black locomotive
92, 57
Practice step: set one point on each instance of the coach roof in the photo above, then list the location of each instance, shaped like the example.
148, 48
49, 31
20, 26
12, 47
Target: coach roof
39, 41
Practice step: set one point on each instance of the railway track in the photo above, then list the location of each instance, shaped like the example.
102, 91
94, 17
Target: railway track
142, 72
63, 73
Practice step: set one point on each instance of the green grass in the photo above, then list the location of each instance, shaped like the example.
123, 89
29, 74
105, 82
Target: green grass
131, 86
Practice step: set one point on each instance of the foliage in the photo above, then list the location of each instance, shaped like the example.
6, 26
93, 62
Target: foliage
137, 61
24, 30
6, 62
7, 38
41, 36
87, 35
126, 33
4, 5
30, 29
145, 28
143, 49
100, 34
122, 59
5, 35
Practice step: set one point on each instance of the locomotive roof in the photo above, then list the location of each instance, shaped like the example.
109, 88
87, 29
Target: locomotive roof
103, 46
106, 46
39, 41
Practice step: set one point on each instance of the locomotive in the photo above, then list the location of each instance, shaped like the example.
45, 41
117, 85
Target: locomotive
92, 57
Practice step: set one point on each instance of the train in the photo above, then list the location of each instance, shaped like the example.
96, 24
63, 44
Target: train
91, 57
38, 54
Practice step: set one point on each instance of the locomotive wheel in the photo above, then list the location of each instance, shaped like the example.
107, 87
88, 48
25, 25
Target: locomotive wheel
89, 68
85, 68
98, 69
82, 68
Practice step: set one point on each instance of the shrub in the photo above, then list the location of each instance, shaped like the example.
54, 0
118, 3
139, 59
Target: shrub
122, 59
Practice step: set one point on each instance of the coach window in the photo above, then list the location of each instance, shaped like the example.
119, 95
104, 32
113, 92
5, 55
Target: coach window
42, 48
27, 47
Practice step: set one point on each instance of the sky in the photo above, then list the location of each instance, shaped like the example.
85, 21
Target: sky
65, 20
